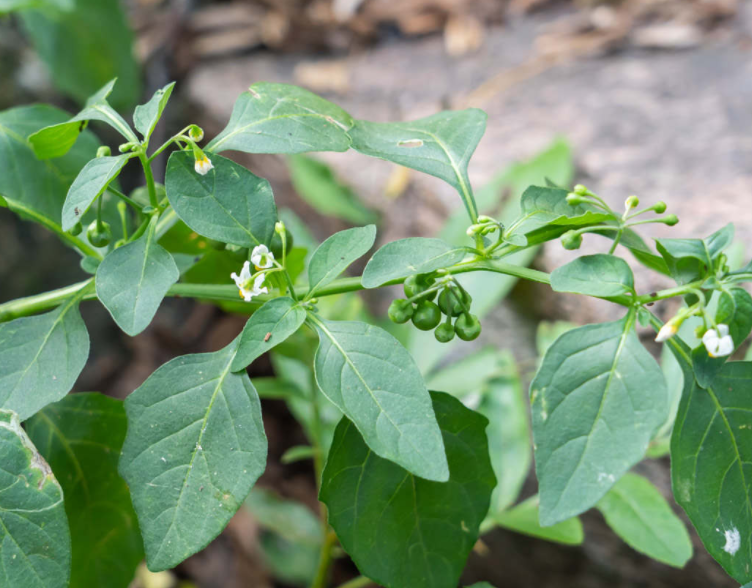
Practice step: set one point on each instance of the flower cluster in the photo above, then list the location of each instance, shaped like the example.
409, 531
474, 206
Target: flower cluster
250, 284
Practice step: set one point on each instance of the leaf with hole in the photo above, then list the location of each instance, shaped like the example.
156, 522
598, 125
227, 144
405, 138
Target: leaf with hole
403, 531
36, 549
81, 437
373, 380
195, 447
229, 204
596, 401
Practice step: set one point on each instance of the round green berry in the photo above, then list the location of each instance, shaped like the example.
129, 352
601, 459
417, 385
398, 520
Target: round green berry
99, 234
414, 285
449, 301
76, 229
467, 327
426, 316
571, 240
400, 311
444, 333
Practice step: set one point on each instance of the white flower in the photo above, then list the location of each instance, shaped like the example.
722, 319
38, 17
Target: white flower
718, 342
261, 257
667, 331
249, 286
203, 166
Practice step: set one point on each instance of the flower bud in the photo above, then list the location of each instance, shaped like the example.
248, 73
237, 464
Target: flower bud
104, 151
279, 228
580, 190
125, 147
667, 331
632, 202
571, 240
574, 199
196, 133
659, 207
671, 220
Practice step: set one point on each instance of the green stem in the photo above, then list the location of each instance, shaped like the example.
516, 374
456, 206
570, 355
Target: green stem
166, 144
41, 302
150, 186
616, 241
325, 561
79, 244
359, 582
132, 203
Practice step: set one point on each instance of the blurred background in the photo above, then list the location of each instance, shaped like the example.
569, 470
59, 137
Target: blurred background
645, 97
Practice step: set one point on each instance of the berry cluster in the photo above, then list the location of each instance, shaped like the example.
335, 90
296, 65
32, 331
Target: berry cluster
453, 302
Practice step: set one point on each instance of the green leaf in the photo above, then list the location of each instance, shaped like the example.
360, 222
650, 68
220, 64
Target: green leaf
373, 380
503, 404
271, 324
195, 447
711, 449
468, 376
400, 530
298, 453
523, 518
548, 206
33, 529
594, 275
229, 204
90, 185
146, 116
133, 279
279, 118
639, 514
41, 357
335, 254
440, 145
690, 259
548, 332
596, 402
95, 33
291, 536
15, 5
57, 139
316, 183
26, 183
81, 437
407, 257
734, 310
674, 376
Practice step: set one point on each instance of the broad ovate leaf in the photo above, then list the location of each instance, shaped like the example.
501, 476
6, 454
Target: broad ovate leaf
639, 514
280, 118
403, 531
373, 380
146, 116
596, 401
89, 185
594, 275
440, 145
133, 279
35, 549
195, 447
228, 204
269, 326
407, 257
41, 357
56, 140
524, 518
335, 254
81, 437
711, 451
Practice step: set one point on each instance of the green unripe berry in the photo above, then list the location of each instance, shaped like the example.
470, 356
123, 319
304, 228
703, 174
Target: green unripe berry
276, 245
571, 240
659, 207
575, 199
632, 202
76, 229
467, 327
414, 285
671, 220
400, 311
426, 316
450, 304
99, 235
580, 189
444, 333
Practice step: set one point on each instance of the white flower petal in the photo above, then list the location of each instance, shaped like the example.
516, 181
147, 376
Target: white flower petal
261, 257
723, 330
203, 166
725, 346
667, 331
245, 273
